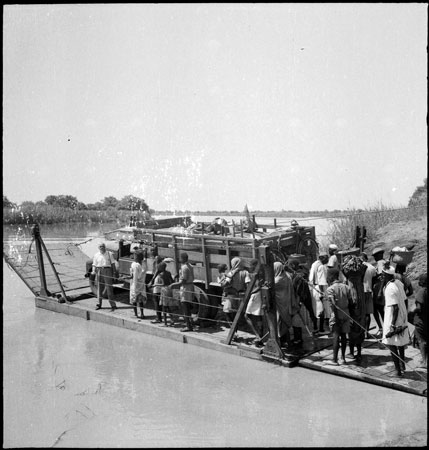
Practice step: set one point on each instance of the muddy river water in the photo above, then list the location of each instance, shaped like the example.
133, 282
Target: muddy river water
68, 382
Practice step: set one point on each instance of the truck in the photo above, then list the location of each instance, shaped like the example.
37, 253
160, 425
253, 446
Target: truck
208, 245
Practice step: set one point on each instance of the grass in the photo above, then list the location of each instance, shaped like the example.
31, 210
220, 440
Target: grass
342, 230
46, 214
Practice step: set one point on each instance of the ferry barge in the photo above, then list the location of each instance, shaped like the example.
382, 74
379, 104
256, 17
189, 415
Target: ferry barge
54, 271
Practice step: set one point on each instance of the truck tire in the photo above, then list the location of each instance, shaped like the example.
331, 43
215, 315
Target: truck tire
207, 305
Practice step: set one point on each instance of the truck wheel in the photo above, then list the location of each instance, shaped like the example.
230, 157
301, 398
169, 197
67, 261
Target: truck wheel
207, 305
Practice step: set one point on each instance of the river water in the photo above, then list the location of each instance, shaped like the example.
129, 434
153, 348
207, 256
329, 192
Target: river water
68, 382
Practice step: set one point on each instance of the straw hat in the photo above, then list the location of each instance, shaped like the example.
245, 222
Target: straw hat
377, 250
389, 270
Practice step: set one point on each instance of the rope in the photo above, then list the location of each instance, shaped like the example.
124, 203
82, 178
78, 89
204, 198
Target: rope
357, 323
175, 313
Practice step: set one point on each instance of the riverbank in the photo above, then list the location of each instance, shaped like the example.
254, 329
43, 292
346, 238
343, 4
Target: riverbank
405, 232
419, 439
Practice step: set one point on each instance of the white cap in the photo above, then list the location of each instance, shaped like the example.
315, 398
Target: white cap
333, 247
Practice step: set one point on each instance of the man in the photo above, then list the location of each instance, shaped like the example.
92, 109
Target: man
103, 266
333, 259
340, 298
421, 318
377, 289
368, 280
254, 311
137, 278
301, 288
400, 274
319, 284
395, 331
287, 306
354, 270
186, 283
293, 225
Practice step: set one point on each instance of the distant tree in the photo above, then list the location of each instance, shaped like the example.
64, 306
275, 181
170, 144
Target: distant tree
81, 205
51, 200
7, 203
110, 202
27, 204
67, 201
132, 203
62, 201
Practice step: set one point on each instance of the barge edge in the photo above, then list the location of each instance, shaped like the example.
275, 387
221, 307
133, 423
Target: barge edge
83, 312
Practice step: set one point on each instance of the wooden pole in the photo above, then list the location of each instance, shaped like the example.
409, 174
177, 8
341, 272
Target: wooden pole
272, 346
240, 310
54, 270
205, 262
363, 239
36, 235
357, 237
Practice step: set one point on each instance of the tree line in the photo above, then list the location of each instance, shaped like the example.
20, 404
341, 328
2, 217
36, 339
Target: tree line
129, 203
67, 208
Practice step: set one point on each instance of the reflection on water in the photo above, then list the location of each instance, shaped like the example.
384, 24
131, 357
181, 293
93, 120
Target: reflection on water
76, 383
61, 230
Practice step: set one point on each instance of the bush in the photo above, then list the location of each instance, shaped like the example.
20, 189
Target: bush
342, 229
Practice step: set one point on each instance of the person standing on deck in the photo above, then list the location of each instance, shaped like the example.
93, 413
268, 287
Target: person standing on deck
186, 283
368, 281
395, 331
254, 311
103, 266
401, 276
287, 306
340, 298
319, 284
234, 288
377, 289
333, 258
155, 290
164, 280
354, 270
421, 319
138, 271
302, 290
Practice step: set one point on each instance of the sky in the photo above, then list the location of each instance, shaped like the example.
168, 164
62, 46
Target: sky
202, 107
